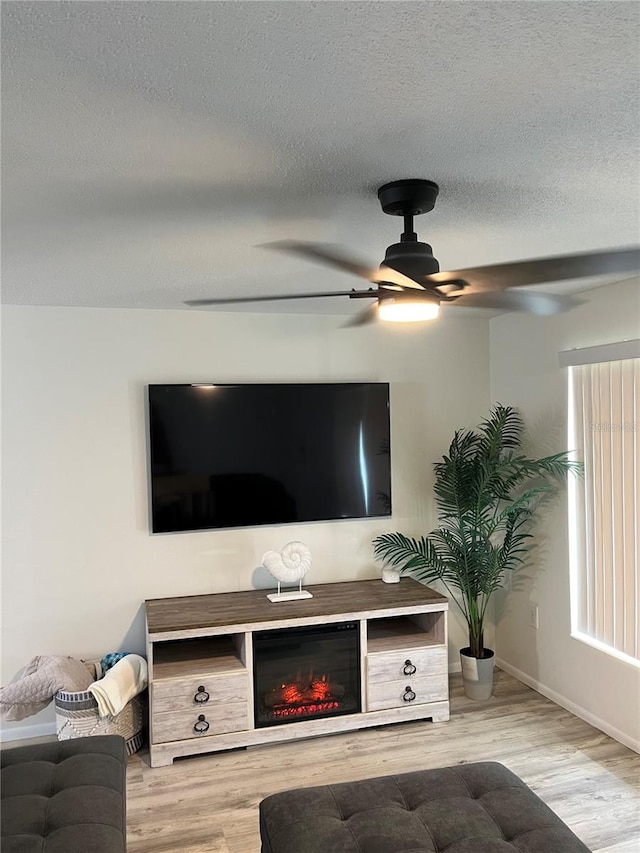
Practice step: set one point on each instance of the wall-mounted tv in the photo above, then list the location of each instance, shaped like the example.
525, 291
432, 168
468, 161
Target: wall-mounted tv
244, 455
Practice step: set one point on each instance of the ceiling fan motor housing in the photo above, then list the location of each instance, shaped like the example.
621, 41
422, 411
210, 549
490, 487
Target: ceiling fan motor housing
412, 259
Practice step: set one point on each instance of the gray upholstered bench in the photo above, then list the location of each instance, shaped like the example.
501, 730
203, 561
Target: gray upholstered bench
65, 797
470, 808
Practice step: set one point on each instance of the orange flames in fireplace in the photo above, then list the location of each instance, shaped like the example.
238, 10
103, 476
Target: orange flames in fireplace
304, 697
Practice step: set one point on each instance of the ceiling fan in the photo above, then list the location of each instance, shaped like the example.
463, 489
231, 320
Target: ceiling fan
409, 285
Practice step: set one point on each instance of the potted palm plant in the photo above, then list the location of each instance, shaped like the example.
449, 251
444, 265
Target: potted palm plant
486, 491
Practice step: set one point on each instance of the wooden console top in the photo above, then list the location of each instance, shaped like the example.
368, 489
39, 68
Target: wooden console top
222, 610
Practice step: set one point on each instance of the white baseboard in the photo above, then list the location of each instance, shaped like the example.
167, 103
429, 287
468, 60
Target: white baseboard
579, 711
27, 732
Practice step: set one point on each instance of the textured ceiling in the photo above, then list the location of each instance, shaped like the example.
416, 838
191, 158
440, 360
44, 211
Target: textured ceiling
148, 147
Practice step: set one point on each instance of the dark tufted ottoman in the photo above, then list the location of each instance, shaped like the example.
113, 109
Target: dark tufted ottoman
471, 808
65, 797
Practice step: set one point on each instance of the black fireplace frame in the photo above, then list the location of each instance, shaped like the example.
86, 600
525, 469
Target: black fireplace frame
350, 630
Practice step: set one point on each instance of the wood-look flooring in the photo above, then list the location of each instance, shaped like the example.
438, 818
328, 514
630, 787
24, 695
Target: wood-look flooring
209, 804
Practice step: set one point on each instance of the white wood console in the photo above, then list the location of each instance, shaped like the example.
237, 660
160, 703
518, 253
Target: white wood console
200, 654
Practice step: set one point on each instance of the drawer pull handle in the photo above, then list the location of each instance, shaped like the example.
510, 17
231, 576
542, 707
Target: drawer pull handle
201, 726
201, 696
409, 695
409, 668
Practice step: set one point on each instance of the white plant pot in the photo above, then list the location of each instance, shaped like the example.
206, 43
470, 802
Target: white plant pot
477, 674
390, 575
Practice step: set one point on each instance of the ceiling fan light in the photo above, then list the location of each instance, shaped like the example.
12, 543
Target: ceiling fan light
408, 311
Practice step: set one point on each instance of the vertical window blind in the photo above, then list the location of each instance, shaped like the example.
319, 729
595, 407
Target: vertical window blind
604, 399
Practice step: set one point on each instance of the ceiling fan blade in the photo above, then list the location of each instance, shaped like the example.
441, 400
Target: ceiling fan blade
521, 300
543, 270
333, 258
363, 318
244, 299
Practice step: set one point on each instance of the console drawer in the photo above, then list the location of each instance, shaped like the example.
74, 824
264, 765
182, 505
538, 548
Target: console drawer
179, 725
391, 666
202, 691
411, 691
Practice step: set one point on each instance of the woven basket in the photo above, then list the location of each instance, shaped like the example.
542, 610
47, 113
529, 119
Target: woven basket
77, 716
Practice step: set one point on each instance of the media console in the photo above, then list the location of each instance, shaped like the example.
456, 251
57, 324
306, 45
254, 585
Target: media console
203, 653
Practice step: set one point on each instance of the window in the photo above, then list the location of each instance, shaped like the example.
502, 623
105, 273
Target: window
604, 505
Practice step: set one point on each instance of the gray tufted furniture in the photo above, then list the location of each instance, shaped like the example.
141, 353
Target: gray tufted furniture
65, 797
470, 808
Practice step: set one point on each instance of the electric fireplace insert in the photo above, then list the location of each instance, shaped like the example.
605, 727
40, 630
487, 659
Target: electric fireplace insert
306, 673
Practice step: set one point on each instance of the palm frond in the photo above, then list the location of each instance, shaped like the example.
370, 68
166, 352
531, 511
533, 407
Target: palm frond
396, 549
502, 429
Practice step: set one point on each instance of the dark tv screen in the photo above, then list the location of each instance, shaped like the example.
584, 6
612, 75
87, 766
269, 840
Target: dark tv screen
225, 456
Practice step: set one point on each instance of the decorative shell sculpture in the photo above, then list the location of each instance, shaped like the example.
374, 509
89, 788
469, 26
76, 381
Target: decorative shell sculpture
290, 565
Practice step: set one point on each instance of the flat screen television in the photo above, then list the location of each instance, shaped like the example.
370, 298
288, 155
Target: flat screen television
244, 455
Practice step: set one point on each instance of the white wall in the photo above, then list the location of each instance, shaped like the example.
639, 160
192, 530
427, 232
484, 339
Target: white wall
78, 559
525, 373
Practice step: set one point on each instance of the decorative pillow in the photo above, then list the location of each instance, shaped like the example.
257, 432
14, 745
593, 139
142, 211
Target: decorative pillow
39, 683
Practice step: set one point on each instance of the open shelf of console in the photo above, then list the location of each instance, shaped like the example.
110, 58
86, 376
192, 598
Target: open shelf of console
404, 632
205, 653
196, 657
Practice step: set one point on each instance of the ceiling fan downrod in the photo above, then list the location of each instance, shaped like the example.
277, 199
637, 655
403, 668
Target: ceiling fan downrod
408, 235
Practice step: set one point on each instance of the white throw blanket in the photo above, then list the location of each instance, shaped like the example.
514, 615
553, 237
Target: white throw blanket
123, 681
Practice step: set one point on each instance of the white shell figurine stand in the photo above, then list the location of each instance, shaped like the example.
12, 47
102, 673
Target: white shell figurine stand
288, 567
289, 595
